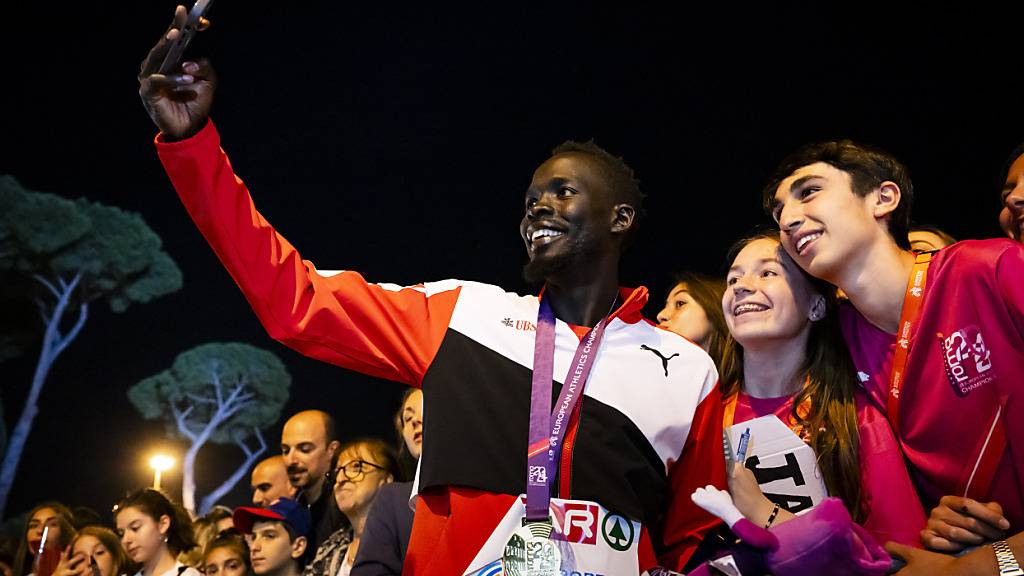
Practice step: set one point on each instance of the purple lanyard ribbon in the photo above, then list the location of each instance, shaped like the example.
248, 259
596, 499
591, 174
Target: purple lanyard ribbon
546, 429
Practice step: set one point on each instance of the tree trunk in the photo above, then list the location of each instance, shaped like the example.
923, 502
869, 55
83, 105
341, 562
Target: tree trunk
188, 477
211, 499
53, 344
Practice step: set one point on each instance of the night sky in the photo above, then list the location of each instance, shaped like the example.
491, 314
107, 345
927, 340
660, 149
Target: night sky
398, 141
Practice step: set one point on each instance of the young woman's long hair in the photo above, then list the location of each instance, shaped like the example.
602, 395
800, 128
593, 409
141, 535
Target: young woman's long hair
23, 559
831, 380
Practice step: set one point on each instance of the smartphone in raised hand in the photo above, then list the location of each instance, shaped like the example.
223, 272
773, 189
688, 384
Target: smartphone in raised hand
193, 24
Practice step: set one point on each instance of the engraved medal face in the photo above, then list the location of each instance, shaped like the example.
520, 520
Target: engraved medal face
530, 552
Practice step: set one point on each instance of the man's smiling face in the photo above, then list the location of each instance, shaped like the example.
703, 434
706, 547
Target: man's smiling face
569, 213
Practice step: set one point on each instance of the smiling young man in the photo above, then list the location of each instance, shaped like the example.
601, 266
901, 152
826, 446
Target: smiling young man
608, 467
938, 340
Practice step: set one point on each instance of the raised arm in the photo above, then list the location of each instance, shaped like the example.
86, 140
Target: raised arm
338, 317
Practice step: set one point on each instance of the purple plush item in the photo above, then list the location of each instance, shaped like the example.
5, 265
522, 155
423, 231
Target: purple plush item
826, 541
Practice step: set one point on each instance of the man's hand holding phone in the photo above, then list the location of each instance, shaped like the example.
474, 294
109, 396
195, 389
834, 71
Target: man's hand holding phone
179, 101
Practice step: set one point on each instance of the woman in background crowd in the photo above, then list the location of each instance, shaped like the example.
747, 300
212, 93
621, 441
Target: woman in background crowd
226, 555
57, 520
389, 523
361, 469
220, 516
693, 309
204, 531
154, 531
95, 551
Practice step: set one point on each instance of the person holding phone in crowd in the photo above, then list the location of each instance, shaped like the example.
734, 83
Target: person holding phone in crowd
628, 427
36, 556
94, 551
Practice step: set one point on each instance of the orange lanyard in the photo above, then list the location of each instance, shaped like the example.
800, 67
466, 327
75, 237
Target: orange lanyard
911, 309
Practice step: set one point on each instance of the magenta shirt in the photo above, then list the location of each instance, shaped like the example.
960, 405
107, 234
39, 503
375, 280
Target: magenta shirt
892, 510
966, 359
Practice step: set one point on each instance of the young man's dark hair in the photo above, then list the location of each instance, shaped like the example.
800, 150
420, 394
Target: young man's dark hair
868, 168
624, 182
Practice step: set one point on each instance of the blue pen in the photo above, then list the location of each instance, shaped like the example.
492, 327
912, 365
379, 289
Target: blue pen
741, 452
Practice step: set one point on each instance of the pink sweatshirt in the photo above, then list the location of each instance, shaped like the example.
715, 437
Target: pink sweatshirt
965, 366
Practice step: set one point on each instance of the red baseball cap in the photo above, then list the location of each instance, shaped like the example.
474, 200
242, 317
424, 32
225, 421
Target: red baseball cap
284, 510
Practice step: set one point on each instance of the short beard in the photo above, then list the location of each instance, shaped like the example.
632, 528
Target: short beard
538, 270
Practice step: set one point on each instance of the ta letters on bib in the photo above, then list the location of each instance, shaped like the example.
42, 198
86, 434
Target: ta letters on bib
785, 466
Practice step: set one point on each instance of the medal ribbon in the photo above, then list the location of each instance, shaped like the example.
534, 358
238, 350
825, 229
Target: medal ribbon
547, 428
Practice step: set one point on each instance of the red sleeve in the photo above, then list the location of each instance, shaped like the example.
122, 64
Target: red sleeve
388, 332
892, 507
701, 463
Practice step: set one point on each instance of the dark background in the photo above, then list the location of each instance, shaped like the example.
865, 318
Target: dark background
398, 141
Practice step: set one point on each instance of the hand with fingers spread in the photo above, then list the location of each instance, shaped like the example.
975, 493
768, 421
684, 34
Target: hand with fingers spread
958, 523
179, 102
71, 564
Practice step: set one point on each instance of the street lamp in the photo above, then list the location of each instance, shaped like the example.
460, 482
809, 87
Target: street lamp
160, 463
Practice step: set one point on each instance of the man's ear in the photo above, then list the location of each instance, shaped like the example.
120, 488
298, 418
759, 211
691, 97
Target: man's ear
299, 547
333, 448
623, 217
885, 199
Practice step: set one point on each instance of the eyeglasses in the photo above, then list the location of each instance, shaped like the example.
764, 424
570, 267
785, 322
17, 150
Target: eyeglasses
355, 469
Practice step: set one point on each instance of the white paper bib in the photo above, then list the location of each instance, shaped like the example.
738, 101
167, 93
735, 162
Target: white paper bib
784, 465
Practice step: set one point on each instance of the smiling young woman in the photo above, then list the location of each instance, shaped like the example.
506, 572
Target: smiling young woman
789, 361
